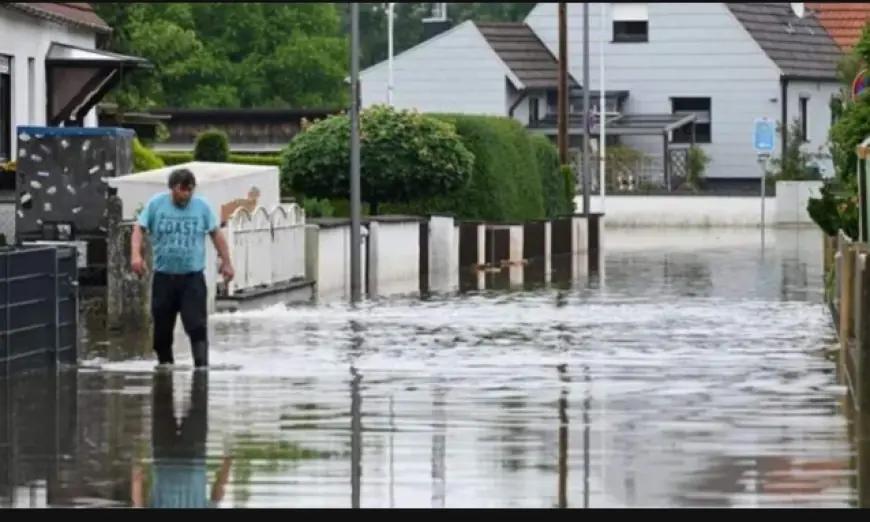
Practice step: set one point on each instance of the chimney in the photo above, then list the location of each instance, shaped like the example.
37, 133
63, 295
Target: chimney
798, 9
437, 23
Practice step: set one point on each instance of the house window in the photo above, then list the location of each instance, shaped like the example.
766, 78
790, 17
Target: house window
701, 107
5, 108
630, 22
534, 110
802, 114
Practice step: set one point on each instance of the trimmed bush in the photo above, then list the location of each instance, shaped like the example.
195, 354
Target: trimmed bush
405, 156
144, 158
505, 184
212, 145
177, 158
558, 201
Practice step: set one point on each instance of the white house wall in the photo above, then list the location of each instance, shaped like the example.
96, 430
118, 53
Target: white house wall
456, 71
818, 116
24, 38
694, 50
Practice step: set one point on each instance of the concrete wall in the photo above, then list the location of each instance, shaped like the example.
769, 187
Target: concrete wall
788, 208
393, 257
791, 201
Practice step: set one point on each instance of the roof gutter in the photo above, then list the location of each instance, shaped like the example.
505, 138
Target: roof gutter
808, 78
524, 93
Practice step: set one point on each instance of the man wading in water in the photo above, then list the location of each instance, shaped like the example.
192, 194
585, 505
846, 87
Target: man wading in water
177, 222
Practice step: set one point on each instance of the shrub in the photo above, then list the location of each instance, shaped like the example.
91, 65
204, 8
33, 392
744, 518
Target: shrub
836, 209
405, 156
696, 167
177, 158
144, 158
316, 208
212, 145
794, 163
558, 197
505, 184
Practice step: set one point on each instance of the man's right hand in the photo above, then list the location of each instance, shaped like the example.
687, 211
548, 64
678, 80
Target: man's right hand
137, 265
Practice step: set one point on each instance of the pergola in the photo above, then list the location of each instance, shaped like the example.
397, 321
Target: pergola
625, 125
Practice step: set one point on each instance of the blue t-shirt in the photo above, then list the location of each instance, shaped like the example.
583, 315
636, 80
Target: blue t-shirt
180, 484
178, 234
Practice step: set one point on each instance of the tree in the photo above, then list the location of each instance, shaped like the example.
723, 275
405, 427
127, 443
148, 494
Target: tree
231, 55
405, 156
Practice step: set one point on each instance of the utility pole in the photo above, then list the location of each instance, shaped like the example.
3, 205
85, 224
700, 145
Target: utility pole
391, 21
562, 116
586, 116
355, 203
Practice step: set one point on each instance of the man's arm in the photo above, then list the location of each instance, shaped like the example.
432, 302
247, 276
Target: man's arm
217, 236
220, 244
136, 494
219, 488
143, 223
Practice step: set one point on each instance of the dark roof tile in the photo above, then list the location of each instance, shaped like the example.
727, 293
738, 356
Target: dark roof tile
524, 53
798, 46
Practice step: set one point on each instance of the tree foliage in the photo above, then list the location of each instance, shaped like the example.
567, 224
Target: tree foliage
405, 156
231, 54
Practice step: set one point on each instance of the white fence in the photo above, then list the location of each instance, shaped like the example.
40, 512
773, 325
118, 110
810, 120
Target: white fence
266, 247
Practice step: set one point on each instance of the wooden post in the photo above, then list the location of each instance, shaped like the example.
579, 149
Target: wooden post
847, 262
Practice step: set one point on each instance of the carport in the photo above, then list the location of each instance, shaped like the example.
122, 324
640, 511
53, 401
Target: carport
662, 125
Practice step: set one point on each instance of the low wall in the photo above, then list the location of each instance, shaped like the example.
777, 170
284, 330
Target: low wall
791, 201
787, 208
393, 254
327, 257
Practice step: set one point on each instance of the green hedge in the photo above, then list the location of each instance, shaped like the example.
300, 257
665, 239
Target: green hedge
177, 158
558, 192
505, 184
144, 158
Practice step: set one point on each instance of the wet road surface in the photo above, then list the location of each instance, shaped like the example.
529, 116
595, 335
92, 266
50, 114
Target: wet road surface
692, 372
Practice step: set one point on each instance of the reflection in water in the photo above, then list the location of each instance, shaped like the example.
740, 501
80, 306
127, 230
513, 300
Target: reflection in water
705, 359
179, 474
355, 439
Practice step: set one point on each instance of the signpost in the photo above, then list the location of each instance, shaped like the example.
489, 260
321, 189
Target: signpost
763, 136
859, 84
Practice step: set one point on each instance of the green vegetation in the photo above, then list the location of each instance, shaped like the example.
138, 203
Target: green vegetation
177, 158
405, 156
471, 167
212, 145
144, 158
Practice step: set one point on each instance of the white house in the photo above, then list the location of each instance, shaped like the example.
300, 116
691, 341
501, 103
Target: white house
51, 72
676, 74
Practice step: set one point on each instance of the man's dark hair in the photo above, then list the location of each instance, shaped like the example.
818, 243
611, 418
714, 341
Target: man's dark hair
183, 178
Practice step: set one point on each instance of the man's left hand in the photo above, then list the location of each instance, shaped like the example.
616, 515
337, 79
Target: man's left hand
227, 271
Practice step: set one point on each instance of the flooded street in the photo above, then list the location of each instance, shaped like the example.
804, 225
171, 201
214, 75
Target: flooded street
691, 373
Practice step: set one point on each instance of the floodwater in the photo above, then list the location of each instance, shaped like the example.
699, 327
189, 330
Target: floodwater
692, 371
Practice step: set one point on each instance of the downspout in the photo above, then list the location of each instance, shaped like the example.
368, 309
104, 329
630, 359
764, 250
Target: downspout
783, 94
523, 95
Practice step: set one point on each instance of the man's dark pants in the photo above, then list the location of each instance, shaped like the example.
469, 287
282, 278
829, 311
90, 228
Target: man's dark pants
186, 295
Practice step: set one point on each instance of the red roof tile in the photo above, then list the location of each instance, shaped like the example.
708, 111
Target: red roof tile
77, 14
844, 22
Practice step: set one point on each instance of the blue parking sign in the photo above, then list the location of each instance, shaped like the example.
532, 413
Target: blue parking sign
763, 136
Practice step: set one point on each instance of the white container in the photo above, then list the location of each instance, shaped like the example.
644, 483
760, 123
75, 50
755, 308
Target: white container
224, 185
